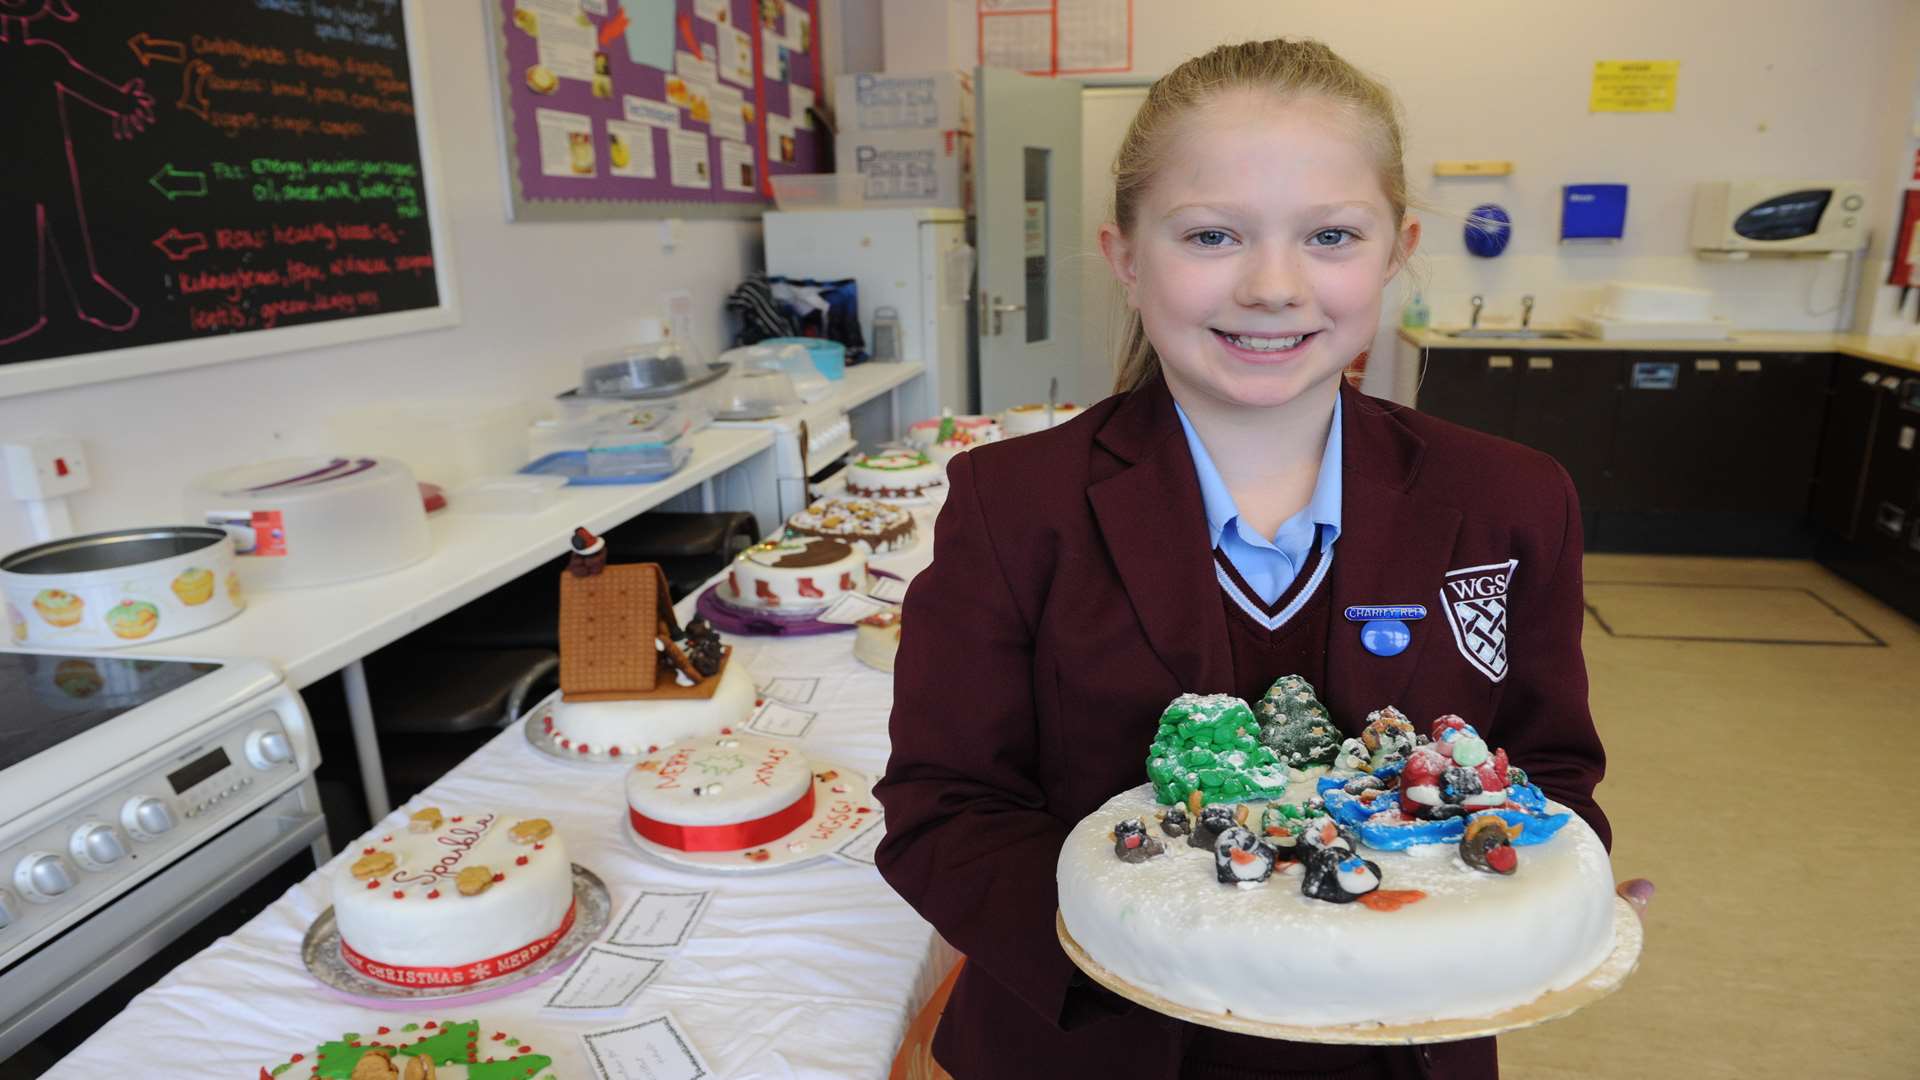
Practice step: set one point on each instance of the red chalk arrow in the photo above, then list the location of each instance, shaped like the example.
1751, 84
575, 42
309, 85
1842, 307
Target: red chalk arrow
178, 245
148, 48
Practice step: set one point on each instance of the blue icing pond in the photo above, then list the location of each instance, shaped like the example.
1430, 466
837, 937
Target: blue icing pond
1349, 811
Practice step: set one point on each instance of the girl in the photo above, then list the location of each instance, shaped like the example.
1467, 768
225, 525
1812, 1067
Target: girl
1204, 530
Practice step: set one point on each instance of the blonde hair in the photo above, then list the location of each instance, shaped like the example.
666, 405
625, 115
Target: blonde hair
1289, 69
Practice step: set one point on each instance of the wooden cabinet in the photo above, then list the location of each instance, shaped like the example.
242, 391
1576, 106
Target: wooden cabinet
1565, 404
1853, 412
1867, 505
1472, 387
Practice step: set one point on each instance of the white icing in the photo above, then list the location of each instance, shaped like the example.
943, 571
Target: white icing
752, 582
720, 780
894, 474
527, 904
926, 433
1027, 419
638, 726
1477, 944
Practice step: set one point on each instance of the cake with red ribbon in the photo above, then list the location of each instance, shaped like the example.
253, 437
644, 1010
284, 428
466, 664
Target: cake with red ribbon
452, 899
723, 793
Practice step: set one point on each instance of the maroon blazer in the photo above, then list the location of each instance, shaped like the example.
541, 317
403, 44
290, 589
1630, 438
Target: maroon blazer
1072, 596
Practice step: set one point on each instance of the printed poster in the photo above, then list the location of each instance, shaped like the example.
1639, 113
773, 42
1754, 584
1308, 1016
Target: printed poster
630, 149
736, 166
687, 158
1634, 85
566, 144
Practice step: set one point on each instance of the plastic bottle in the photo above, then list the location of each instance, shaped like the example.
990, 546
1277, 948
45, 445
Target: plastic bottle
1415, 315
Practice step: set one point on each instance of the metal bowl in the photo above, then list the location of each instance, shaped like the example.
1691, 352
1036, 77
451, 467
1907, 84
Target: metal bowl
112, 550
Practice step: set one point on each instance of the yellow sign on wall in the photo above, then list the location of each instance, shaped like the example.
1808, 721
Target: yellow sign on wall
1634, 85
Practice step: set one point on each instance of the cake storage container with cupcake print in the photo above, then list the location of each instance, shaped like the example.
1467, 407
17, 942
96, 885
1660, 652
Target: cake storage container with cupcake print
109, 589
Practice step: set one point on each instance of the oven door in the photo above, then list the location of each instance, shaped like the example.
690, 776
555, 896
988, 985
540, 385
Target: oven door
91, 955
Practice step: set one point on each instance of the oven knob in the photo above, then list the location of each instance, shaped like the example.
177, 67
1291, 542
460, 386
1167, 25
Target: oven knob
42, 876
146, 817
265, 749
96, 846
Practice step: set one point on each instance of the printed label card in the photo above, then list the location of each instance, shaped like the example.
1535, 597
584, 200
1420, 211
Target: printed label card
850, 608
892, 590
779, 718
859, 850
605, 979
793, 688
660, 919
652, 1049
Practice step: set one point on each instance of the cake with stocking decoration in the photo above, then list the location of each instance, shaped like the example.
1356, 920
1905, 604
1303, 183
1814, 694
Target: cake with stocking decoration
794, 576
452, 898
1408, 878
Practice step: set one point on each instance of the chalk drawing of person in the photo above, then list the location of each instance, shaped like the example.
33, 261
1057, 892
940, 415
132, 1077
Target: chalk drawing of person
43, 220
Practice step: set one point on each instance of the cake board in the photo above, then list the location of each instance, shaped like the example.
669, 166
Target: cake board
320, 951
835, 812
1628, 937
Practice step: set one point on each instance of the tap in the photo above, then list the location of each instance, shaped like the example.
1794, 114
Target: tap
1478, 302
1526, 310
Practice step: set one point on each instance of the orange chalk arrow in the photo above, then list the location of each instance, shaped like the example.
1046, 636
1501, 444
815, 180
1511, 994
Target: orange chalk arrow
148, 48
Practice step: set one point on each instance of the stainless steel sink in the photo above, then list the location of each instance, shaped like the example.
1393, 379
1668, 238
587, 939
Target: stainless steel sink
1511, 333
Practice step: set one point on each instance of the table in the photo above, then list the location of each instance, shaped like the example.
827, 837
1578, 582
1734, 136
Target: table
310, 633
813, 972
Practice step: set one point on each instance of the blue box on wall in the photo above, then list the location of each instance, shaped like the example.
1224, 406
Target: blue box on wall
1593, 211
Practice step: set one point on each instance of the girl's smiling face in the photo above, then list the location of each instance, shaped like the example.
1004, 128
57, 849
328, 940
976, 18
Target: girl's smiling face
1259, 252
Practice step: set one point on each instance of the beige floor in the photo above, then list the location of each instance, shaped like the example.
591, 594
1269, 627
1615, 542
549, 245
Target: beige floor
1762, 786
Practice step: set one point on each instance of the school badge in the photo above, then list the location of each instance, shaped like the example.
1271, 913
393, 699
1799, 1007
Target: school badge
1475, 600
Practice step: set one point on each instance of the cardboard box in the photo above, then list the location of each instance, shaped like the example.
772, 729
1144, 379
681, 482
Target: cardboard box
935, 101
909, 168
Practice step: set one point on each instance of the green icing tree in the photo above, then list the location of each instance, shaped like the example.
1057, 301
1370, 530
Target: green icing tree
512, 1069
1212, 745
449, 1047
1295, 726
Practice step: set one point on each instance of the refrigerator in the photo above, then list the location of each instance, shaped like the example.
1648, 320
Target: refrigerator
916, 261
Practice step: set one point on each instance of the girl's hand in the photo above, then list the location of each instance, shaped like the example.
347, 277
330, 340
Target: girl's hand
1638, 893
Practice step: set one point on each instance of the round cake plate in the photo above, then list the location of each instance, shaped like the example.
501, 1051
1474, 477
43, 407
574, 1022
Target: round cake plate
543, 740
1628, 937
837, 800
321, 953
749, 623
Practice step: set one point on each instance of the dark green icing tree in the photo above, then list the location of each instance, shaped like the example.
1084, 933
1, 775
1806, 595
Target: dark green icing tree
1212, 745
1295, 726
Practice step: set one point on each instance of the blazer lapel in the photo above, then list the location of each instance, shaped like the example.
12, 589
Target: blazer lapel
1394, 548
1155, 527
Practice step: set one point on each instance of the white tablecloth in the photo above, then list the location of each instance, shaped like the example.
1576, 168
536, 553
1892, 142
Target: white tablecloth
811, 972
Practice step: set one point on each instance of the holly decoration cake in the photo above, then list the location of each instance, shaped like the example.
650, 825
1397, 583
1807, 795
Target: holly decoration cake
451, 899
880, 526
794, 575
425, 1050
893, 474
725, 793
1440, 885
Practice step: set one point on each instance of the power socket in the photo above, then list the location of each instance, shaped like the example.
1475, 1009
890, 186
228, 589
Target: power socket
47, 468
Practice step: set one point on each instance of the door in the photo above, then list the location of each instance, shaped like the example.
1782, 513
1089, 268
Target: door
1027, 163
1853, 411
1565, 406
1471, 388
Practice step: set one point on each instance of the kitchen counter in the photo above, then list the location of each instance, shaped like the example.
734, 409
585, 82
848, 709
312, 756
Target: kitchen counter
1901, 352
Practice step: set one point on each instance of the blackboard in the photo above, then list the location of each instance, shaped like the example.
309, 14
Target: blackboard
655, 108
198, 180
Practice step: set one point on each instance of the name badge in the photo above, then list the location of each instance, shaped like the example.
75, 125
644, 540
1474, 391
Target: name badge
1394, 612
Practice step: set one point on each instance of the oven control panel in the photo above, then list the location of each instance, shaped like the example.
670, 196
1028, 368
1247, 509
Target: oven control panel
112, 838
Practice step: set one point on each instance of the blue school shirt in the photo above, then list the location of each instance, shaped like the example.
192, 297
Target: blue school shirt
1269, 565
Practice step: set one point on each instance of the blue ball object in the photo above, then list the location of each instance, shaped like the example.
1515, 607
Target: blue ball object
1489, 230
1385, 637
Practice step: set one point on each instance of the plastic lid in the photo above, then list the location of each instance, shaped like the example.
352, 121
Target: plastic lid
648, 329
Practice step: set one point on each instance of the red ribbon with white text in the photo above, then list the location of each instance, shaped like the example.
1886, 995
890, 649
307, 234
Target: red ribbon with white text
504, 964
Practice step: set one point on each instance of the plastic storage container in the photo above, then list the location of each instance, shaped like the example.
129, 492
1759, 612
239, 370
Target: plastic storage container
757, 394
792, 359
828, 356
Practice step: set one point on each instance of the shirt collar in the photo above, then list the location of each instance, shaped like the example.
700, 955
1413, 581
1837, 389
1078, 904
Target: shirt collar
1323, 508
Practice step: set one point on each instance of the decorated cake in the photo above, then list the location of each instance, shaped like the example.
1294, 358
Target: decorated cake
880, 526
723, 793
631, 676
453, 898
420, 1050
876, 640
795, 575
894, 474
1271, 870
1027, 419
950, 436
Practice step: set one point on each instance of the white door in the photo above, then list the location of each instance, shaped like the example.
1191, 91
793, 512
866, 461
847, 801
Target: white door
1028, 230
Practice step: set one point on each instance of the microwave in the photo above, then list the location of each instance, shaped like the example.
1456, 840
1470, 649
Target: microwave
1783, 216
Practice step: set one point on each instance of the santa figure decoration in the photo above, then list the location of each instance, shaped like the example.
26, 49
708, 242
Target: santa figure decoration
589, 554
1453, 774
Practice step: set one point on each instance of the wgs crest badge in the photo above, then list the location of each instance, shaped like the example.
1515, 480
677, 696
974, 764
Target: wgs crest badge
1475, 600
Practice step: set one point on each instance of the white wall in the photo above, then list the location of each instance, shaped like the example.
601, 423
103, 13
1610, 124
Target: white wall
533, 299
1767, 89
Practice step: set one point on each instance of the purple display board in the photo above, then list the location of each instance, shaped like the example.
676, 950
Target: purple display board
655, 107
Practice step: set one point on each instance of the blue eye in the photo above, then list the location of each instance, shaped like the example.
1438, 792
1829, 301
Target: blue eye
1332, 237
1210, 238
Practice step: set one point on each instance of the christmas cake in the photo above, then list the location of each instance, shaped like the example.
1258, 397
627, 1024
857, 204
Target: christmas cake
795, 575
880, 526
950, 436
453, 898
894, 474
1269, 871
876, 640
724, 793
422, 1050
631, 677
1027, 419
